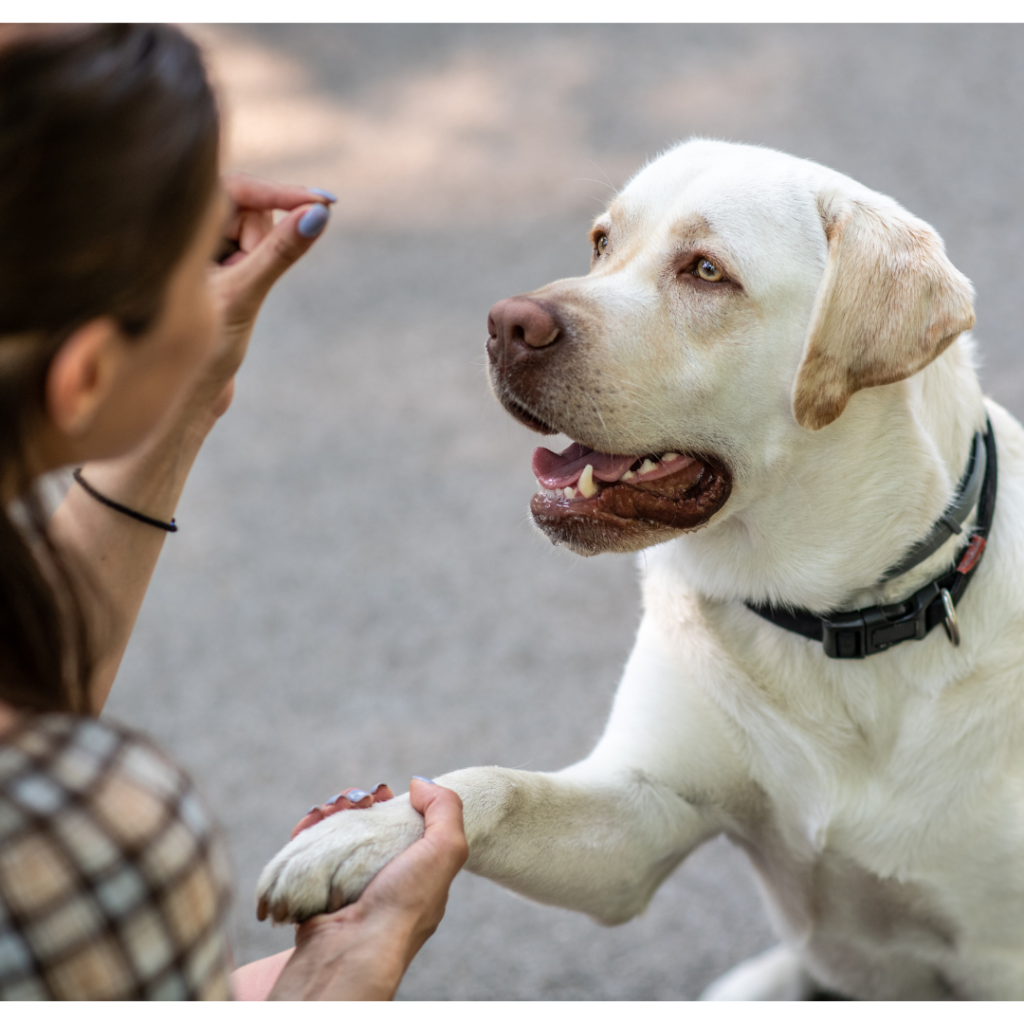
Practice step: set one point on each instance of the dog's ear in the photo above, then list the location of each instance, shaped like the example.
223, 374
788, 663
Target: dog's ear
888, 304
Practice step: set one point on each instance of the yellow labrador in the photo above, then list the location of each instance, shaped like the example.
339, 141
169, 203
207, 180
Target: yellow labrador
768, 386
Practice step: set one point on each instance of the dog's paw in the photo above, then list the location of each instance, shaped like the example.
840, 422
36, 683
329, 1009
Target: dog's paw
330, 864
777, 974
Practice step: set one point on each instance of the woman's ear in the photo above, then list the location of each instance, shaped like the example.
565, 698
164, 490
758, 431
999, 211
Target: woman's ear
889, 303
81, 375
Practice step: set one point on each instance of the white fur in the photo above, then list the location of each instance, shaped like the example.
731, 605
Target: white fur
881, 801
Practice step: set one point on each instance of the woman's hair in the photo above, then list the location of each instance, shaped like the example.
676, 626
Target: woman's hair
108, 161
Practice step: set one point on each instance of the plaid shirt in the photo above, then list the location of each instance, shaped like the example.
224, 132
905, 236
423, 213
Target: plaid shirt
113, 884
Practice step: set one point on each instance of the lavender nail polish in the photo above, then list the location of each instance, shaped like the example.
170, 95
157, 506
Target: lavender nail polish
313, 221
423, 779
334, 799
310, 811
355, 795
329, 196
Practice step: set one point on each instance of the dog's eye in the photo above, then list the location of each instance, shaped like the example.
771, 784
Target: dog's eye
707, 271
600, 245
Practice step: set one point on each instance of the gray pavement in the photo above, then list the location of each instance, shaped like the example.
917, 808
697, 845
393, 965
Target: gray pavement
356, 593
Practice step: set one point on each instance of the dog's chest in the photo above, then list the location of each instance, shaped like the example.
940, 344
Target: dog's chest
884, 835
884, 809
879, 778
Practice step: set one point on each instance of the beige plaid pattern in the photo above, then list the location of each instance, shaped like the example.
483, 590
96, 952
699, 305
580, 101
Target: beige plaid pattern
113, 882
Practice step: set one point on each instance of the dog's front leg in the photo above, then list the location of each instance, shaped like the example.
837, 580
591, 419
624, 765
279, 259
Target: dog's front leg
582, 839
598, 837
601, 835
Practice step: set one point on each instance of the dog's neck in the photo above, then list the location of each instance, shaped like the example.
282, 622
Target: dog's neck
819, 527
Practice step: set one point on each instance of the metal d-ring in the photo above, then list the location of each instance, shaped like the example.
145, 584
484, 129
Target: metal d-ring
952, 628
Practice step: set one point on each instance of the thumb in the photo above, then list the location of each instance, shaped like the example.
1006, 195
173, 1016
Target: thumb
442, 817
291, 238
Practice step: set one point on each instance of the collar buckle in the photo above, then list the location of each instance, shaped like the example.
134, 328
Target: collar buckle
870, 630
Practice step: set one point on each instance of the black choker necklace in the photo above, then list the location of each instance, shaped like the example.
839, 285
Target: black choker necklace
867, 631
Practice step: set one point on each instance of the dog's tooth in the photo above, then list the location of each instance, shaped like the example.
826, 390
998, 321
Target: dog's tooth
586, 482
670, 456
628, 475
647, 466
570, 492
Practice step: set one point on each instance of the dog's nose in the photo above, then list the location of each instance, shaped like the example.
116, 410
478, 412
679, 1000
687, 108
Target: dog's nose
518, 325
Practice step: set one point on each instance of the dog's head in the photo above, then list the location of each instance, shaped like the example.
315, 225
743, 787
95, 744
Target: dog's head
734, 292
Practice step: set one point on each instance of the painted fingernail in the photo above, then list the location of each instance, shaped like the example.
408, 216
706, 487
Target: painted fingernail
313, 221
355, 795
380, 785
329, 196
310, 811
423, 779
334, 799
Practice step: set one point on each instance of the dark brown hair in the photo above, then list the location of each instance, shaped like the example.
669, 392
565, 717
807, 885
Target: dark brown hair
108, 160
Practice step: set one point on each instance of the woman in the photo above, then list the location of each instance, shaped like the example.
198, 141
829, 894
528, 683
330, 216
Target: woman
118, 350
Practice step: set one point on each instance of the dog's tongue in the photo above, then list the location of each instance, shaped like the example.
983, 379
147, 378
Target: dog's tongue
563, 469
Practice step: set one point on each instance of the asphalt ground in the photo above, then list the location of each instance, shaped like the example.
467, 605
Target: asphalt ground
356, 593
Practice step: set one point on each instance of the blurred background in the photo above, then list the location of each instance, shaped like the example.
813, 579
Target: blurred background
356, 593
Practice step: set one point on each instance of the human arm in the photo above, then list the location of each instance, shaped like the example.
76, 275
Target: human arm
117, 553
362, 951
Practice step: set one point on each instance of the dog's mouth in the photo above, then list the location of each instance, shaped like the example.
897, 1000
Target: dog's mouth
593, 501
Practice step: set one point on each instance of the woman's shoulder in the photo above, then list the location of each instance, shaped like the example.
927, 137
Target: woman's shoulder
113, 878
51, 761
48, 759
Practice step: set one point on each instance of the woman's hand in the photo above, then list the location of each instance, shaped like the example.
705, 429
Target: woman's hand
256, 253
347, 800
362, 950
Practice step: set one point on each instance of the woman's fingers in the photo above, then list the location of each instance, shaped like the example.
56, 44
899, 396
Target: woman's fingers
265, 251
253, 201
348, 800
247, 229
246, 277
312, 817
249, 192
254, 227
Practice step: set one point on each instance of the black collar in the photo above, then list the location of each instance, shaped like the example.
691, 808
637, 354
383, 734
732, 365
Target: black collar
867, 631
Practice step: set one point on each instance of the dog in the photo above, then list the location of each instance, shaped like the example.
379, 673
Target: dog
770, 389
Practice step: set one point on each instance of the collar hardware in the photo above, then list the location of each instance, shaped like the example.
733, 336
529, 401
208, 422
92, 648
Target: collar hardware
870, 630
952, 628
856, 634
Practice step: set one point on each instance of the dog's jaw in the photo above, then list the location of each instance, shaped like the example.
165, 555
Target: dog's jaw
644, 508
629, 516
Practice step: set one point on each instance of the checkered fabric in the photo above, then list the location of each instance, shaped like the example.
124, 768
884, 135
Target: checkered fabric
113, 882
